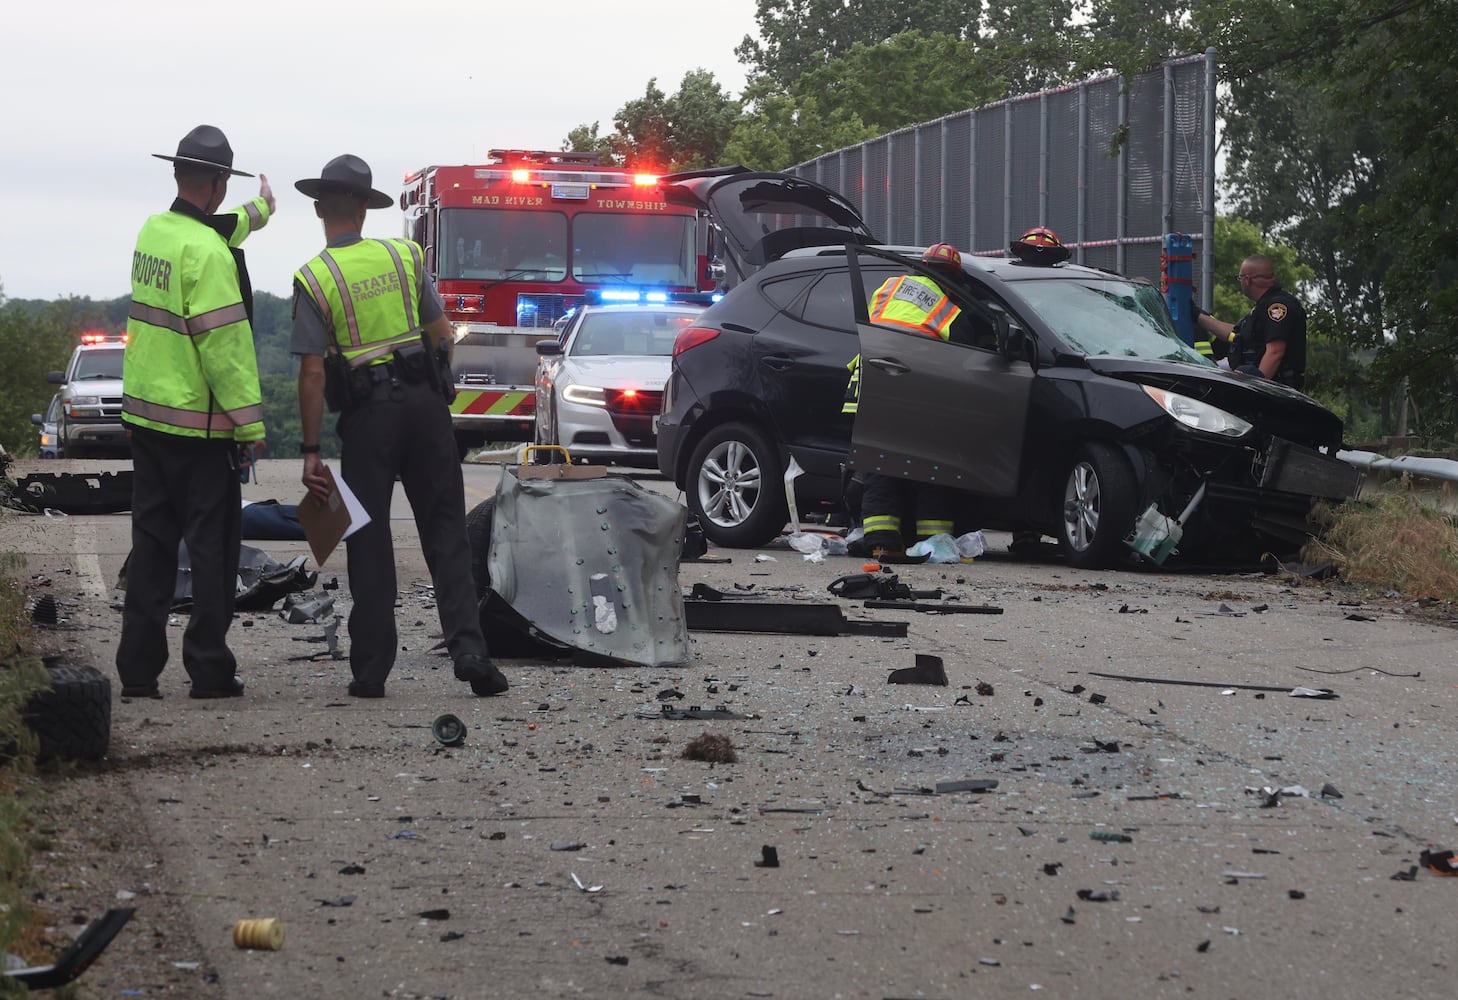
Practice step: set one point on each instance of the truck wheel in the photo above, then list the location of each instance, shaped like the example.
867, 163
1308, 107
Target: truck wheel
72, 719
736, 487
1099, 495
478, 537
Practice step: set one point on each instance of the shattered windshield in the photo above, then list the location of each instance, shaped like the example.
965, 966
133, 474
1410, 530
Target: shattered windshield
1109, 316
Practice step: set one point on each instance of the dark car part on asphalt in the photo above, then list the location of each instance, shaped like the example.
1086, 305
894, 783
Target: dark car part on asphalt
88, 946
782, 619
1063, 402
262, 580
884, 586
448, 730
1288, 689
72, 492
928, 670
936, 609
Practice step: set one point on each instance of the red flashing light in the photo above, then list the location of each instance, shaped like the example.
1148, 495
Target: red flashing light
521, 176
645, 180
693, 337
97, 337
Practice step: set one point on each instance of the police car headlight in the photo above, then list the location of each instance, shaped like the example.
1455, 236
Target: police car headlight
1197, 415
587, 395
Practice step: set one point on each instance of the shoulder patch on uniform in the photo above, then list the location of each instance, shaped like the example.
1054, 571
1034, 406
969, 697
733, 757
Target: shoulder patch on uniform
1277, 311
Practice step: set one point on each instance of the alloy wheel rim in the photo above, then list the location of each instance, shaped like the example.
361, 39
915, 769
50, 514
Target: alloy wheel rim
729, 484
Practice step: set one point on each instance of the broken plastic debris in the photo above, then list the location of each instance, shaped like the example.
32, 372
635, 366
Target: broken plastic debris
1241, 875
585, 888
1440, 860
769, 857
968, 785
1099, 895
928, 670
567, 845
1109, 837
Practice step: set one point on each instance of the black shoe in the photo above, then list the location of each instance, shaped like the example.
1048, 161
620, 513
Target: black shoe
234, 689
366, 689
141, 691
483, 676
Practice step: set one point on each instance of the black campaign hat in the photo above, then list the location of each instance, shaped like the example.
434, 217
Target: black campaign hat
205, 146
350, 175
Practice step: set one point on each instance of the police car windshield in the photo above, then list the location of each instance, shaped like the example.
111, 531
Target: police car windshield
100, 364
1109, 316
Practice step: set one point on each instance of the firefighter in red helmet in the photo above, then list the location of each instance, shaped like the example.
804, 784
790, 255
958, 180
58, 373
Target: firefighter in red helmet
917, 304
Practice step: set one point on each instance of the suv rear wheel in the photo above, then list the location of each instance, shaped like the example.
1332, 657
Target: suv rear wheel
1098, 506
736, 487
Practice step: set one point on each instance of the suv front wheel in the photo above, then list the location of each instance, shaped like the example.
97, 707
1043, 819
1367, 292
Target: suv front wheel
736, 487
1099, 496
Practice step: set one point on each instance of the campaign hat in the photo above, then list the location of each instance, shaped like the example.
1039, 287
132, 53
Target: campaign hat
205, 146
350, 175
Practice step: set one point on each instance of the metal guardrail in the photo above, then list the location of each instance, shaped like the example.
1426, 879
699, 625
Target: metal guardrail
1403, 465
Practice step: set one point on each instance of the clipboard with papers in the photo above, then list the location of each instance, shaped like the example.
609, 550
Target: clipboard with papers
328, 522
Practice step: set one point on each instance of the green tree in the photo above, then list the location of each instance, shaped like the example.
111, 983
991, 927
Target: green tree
665, 133
35, 338
799, 36
786, 130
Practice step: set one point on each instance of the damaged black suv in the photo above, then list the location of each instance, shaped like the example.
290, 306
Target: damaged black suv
1063, 403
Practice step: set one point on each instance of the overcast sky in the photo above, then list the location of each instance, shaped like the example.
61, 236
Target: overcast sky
91, 90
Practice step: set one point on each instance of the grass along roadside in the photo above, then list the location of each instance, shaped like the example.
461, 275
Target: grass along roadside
1392, 541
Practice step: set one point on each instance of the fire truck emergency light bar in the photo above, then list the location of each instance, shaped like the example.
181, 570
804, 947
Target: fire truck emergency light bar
523, 175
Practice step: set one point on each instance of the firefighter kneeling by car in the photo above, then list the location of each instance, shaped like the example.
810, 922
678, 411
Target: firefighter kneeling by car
913, 303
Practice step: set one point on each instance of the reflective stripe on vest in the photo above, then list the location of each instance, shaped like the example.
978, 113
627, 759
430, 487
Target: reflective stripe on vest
350, 290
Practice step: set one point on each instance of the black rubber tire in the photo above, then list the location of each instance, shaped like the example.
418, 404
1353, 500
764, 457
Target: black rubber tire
72, 720
1099, 496
478, 537
736, 487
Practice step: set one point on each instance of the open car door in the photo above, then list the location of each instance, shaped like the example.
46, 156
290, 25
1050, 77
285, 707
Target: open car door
951, 412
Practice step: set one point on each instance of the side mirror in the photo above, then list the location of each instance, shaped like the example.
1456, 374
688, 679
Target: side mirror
548, 348
717, 271
56, 378
1012, 340
37, 419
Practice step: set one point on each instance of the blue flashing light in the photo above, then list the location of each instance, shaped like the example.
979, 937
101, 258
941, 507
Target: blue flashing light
655, 296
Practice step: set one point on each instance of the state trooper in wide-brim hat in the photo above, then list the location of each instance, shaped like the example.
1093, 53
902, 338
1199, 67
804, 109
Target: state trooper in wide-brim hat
346, 174
205, 146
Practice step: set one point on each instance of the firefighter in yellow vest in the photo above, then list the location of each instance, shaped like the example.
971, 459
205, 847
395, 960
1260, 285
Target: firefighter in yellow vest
371, 336
916, 304
193, 408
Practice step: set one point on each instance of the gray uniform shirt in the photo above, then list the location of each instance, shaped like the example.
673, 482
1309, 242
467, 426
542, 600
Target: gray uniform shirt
311, 333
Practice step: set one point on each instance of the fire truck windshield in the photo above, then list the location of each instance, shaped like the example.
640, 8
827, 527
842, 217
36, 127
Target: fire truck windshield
533, 246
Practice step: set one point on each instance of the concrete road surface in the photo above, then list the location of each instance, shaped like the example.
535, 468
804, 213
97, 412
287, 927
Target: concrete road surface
1153, 839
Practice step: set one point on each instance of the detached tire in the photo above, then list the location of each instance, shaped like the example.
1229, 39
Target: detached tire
1099, 495
737, 487
478, 536
72, 720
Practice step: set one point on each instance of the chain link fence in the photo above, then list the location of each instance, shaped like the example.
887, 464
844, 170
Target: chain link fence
1110, 167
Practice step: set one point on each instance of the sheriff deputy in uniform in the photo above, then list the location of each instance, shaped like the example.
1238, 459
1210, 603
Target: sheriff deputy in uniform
916, 304
190, 401
370, 307
1273, 336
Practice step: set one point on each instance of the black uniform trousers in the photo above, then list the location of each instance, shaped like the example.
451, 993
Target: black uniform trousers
903, 499
184, 490
404, 430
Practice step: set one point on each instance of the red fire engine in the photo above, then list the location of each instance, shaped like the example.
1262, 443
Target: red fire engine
516, 243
